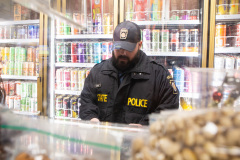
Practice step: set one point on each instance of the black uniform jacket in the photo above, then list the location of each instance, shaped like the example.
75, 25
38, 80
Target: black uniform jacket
146, 88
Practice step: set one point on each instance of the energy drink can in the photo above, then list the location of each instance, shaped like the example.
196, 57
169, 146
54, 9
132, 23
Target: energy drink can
89, 52
79, 105
19, 32
60, 52
37, 55
165, 40
97, 52
81, 52
74, 52
67, 52
29, 90
73, 107
98, 23
66, 79
12, 54
74, 79
25, 32
23, 55
37, 69
6, 32
6, 53
13, 31
194, 40
105, 50
220, 37
20, 69
184, 40
106, 23
155, 40
16, 68
81, 78
27, 104
11, 68
146, 39
17, 54
31, 32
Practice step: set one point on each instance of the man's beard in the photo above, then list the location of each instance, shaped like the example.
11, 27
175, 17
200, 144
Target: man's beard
124, 65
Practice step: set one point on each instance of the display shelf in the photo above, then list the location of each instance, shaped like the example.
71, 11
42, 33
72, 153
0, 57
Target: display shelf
74, 64
33, 78
20, 41
234, 17
85, 36
19, 22
189, 95
67, 118
68, 92
173, 54
27, 113
227, 50
170, 22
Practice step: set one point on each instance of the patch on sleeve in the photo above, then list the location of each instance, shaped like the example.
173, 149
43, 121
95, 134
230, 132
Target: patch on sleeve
172, 83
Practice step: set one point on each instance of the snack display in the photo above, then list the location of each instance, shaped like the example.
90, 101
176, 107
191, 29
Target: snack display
198, 135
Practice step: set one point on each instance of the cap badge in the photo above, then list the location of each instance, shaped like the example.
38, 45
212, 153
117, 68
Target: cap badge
123, 33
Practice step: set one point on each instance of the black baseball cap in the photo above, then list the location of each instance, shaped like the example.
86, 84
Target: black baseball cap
126, 35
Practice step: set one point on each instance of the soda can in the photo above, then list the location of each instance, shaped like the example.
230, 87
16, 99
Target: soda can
59, 102
155, 40
106, 23
194, 40
37, 55
12, 88
105, 50
37, 69
23, 104
6, 87
98, 23
23, 55
220, 37
24, 89
5, 68
184, 40
66, 103
6, 33
19, 32
81, 52
34, 35
60, 52
30, 54
67, 52
74, 52
11, 68
12, 54
74, 79
237, 63
2, 53
18, 88
28, 103
146, 39
25, 68
29, 91
30, 31
25, 32
33, 54
6, 53
174, 40
11, 102
20, 68
178, 77
59, 79
97, 52
66, 79
89, 51
17, 103
165, 40
17, 54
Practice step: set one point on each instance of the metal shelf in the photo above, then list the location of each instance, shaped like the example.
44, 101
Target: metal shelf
21, 41
85, 36
173, 54
227, 50
19, 22
27, 113
74, 64
189, 95
170, 22
68, 92
228, 17
34, 78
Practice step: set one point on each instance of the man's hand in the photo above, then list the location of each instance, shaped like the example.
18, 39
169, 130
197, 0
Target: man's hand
94, 120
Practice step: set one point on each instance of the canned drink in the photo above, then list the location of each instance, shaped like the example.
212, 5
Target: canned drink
74, 52
17, 103
81, 78
59, 79
73, 106
222, 9
82, 52
2, 53
16, 68
28, 103
23, 104
31, 69
105, 50
174, 40
12, 88
12, 54
231, 33
66, 79
24, 90
30, 54
11, 68
229, 63
60, 52
19, 32
11, 102
146, 39
89, 24
219, 62
89, 52
74, 79
13, 31
60, 27
6, 33
23, 55
66, 103
165, 40
25, 32
37, 55
37, 31
98, 23
97, 52
233, 6
155, 40
67, 28
220, 37
194, 40
6, 87
5, 68
6, 53
67, 52
25, 68
31, 32
17, 54
29, 90
77, 19
18, 88
79, 105
178, 77
20, 68
37, 69
184, 40
59, 102
106, 23
34, 34
34, 54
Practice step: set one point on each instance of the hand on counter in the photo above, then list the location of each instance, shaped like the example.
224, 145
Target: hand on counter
94, 120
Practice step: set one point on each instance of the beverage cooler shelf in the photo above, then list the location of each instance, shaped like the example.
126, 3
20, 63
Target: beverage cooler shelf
21, 41
189, 95
85, 36
228, 50
27, 113
74, 64
32, 78
171, 22
228, 17
68, 92
173, 54
24, 22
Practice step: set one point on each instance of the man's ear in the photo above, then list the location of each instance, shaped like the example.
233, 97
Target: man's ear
140, 44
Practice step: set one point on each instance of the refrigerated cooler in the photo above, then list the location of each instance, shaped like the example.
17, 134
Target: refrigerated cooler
174, 33
19, 48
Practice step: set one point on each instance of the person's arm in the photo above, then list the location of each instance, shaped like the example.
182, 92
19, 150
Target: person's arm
89, 110
167, 96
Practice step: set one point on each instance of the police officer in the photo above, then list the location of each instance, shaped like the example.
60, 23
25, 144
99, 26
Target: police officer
129, 86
